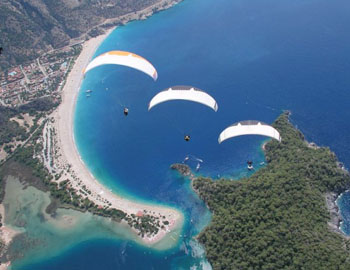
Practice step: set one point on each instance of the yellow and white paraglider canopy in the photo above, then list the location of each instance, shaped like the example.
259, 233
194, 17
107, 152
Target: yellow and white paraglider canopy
188, 93
125, 59
249, 127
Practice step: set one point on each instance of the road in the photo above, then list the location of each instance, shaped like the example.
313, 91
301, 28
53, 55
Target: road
24, 74
41, 68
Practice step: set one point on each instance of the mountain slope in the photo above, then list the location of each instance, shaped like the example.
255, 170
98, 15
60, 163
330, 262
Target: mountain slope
30, 27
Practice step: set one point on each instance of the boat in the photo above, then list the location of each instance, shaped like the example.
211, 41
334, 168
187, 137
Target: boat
88, 95
186, 158
88, 91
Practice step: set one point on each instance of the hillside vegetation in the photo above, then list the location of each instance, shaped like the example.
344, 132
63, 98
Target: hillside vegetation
277, 218
10, 130
30, 27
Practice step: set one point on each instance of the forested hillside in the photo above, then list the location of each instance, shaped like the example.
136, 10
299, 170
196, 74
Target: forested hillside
30, 27
277, 218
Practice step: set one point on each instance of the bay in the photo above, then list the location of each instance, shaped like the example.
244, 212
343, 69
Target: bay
256, 58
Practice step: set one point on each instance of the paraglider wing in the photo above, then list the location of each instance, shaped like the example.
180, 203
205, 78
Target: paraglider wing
125, 59
184, 93
249, 128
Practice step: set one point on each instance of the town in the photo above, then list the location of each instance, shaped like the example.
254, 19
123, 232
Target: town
45, 76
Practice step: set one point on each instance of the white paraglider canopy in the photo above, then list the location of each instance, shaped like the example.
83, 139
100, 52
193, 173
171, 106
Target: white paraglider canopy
184, 93
249, 127
125, 59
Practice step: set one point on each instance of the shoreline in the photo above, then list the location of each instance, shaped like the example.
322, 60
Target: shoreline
331, 198
6, 234
336, 219
70, 159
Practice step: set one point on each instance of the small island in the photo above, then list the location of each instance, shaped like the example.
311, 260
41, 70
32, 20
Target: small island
182, 169
278, 217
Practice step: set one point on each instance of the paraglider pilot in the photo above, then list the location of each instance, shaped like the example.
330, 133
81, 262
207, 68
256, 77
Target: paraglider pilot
126, 111
187, 138
250, 165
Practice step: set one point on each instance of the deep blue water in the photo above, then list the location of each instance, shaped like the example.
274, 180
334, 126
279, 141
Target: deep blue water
256, 58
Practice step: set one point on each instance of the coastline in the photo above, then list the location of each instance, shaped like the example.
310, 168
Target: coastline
331, 198
144, 13
6, 234
335, 215
77, 172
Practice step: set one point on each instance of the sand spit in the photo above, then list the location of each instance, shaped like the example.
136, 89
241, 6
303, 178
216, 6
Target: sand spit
6, 234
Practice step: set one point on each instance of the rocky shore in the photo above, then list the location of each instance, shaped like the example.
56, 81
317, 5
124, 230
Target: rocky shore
335, 216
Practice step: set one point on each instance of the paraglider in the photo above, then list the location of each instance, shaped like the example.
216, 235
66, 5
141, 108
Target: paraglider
126, 111
250, 127
188, 93
125, 59
250, 165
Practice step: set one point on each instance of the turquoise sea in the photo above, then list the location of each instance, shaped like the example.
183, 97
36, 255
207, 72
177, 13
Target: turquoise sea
256, 58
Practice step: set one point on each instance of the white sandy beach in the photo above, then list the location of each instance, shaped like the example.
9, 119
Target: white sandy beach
6, 232
64, 117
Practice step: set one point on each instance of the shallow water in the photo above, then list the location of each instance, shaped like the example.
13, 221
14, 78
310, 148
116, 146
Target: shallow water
44, 236
256, 58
